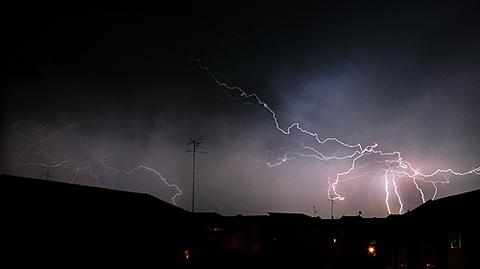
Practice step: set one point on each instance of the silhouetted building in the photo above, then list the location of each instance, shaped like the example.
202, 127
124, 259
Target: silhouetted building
46, 222
85, 223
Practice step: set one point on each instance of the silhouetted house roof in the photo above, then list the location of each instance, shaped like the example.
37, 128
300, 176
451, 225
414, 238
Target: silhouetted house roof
451, 211
52, 219
49, 200
357, 217
288, 215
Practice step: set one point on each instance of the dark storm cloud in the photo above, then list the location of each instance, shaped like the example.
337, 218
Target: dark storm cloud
404, 76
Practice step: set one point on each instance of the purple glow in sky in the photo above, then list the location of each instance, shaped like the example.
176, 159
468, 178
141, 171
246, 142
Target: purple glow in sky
110, 98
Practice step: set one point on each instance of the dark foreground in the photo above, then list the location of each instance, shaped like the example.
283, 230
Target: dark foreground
47, 223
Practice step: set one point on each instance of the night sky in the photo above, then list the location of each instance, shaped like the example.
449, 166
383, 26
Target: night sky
96, 92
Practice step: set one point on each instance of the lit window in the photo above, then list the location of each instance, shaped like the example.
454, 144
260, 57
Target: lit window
455, 240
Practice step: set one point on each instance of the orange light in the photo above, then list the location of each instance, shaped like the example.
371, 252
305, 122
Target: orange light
334, 240
372, 251
186, 254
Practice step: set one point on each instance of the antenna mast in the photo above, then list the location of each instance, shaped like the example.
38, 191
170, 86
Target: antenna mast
196, 144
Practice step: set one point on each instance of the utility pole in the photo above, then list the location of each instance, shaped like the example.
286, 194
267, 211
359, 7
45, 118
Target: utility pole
196, 144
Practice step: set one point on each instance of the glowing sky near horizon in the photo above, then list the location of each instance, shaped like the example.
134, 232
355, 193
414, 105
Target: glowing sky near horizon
112, 98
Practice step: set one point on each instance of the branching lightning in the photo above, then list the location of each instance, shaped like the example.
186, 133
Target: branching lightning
392, 163
30, 153
135, 169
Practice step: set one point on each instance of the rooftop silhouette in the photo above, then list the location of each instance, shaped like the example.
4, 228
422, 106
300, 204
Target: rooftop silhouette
86, 223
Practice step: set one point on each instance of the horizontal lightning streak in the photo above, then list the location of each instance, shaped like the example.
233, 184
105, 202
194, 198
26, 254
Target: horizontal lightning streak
139, 167
396, 166
26, 152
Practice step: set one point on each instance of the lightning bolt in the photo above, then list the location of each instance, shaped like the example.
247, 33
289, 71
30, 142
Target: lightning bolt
395, 189
387, 193
23, 155
25, 152
395, 165
419, 189
137, 168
